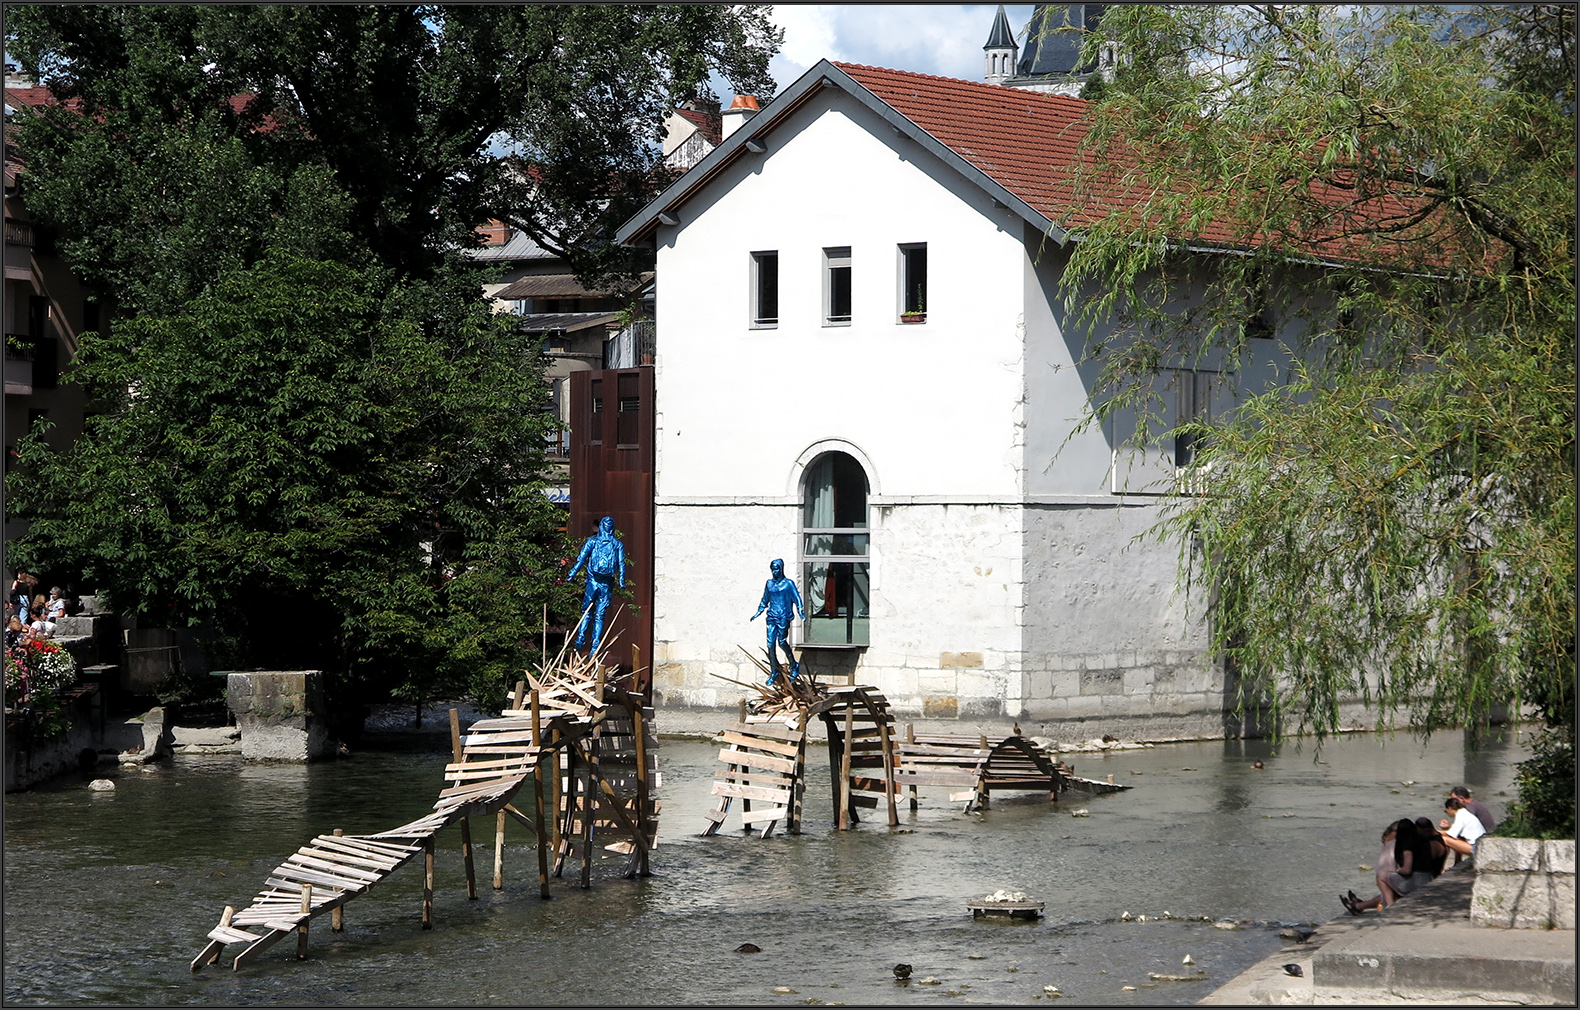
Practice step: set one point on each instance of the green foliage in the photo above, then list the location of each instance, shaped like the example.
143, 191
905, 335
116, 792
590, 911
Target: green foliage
1392, 517
310, 434
1546, 808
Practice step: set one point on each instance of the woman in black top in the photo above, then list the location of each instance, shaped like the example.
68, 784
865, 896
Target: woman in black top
1432, 853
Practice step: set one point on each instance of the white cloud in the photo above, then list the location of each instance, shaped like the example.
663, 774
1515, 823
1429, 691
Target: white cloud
942, 39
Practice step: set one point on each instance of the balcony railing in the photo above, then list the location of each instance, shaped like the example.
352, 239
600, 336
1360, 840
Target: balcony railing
557, 444
19, 233
19, 346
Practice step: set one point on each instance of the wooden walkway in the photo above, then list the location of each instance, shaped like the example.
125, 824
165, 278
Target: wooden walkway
588, 754
973, 768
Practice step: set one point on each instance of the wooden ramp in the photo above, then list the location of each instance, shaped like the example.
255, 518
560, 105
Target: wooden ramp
600, 743
973, 768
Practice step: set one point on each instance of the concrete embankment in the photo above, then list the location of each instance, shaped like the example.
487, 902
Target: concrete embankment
1422, 949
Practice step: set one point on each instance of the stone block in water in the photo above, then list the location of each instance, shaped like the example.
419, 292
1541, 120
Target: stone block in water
280, 714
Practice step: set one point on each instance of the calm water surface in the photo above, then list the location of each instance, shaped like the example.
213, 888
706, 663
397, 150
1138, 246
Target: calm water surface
108, 896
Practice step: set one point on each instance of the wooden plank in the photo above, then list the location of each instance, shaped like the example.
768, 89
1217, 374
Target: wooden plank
772, 746
775, 731
771, 779
864, 799
739, 757
751, 792
258, 947
304, 875
306, 857
356, 857
715, 815
767, 814
394, 849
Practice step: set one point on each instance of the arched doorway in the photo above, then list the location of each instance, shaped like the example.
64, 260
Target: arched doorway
834, 551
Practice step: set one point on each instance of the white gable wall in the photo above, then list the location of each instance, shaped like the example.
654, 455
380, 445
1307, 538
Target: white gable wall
934, 410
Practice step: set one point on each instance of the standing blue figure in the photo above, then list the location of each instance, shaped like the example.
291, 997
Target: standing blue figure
780, 597
604, 557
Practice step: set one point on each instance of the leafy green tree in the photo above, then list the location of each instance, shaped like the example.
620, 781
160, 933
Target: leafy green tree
310, 433
1393, 189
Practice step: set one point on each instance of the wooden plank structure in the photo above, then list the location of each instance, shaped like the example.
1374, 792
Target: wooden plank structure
764, 755
598, 736
973, 768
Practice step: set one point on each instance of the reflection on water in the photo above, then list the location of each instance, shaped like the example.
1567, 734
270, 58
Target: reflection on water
108, 896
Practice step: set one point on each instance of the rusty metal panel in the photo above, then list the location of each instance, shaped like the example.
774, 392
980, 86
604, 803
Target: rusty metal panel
612, 474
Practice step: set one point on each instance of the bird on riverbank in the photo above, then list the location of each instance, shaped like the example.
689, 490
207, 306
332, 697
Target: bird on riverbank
1293, 969
902, 971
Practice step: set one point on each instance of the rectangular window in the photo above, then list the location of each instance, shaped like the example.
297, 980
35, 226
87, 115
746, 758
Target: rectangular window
913, 283
765, 289
836, 286
1195, 404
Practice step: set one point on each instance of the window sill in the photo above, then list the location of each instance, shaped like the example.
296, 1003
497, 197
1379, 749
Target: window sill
827, 323
764, 326
913, 319
831, 645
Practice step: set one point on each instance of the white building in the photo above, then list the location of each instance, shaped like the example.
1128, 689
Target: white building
863, 368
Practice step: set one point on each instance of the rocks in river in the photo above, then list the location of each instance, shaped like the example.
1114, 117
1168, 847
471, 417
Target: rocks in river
102, 786
1226, 924
929, 980
1003, 895
1051, 990
784, 990
1081, 812
748, 948
1187, 959
1124, 916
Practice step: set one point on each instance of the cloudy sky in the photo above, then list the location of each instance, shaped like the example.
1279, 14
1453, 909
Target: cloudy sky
943, 39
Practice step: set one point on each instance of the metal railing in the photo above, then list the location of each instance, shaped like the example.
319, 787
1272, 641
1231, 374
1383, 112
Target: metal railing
20, 346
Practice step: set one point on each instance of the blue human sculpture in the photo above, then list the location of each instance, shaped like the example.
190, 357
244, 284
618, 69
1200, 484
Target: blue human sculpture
780, 597
604, 557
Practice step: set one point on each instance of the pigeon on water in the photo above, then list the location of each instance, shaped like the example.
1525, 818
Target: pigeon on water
1293, 969
902, 971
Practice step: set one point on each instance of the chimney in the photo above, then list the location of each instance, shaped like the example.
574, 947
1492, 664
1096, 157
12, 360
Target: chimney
743, 108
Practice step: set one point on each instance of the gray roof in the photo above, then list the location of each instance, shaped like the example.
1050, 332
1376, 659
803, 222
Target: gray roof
1002, 36
564, 322
1051, 46
520, 247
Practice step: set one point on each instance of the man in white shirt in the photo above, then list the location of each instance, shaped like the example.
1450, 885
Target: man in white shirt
1460, 834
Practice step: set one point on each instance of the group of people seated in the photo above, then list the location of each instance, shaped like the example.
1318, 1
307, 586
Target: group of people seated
1415, 852
36, 616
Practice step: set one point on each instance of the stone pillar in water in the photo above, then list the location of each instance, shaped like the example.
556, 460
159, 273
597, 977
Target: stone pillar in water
280, 714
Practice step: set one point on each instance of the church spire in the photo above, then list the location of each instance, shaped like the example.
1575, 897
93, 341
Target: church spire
1000, 50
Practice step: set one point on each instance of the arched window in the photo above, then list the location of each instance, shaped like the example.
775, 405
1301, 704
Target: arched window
834, 546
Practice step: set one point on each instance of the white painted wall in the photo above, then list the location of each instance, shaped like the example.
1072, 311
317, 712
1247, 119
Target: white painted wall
739, 405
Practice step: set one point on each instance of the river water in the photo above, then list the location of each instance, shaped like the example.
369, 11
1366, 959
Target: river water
108, 895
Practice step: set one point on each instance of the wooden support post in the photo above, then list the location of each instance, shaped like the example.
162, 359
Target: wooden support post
563, 791
427, 882
554, 783
337, 917
466, 822
910, 738
301, 927
889, 785
742, 712
798, 785
835, 748
499, 852
521, 692
845, 811
589, 803
638, 725
537, 782
211, 953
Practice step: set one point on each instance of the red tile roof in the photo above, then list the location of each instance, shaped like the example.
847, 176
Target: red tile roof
1029, 143
710, 123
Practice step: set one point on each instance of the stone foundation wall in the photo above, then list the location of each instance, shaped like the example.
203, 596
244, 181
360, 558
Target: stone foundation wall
280, 714
1524, 883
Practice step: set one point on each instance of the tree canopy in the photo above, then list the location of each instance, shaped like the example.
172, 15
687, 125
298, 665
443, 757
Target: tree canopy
1391, 191
309, 432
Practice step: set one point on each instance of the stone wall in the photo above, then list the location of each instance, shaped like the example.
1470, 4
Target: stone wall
1524, 883
280, 714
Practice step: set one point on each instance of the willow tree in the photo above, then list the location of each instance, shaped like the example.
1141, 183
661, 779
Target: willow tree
1390, 191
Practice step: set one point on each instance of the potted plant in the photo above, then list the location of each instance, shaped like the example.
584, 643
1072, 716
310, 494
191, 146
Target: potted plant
918, 315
